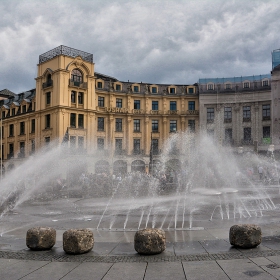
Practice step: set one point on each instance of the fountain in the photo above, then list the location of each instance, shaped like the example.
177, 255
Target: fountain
194, 183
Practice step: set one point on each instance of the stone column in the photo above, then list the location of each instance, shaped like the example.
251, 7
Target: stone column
237, 126
146, 137
164, 122
256, 122
129, 139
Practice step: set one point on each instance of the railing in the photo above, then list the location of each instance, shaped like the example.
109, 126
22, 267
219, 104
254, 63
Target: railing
155, 112
77, 84
192, 112
63, 50
266, 141
267, 118
48, 83
173, 112
137, 152
227, 120
247, 141
246, 119
228, 142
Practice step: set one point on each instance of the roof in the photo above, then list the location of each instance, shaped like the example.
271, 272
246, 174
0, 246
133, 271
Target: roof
6, 93
18, 98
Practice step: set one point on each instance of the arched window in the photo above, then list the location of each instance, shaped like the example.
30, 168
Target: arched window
76, 76
49, 77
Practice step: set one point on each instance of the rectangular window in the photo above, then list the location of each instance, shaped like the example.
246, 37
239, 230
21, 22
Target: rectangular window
210, 87
118, 124
154, 125
32, 146
246, 113
11, 130
228, 135
265, 83
73, 96
11, 150
246, 85
266, 132
3, 115
173, 126
72, 142
80, 98
118, 145
48, 98
32, 126
21, 149
227, 114
155, 150
24, 109
191, 105
136, 88
136, 125
100, 143
247, 134
155, 105
266, 112
22, 128
81, 140
172, 90
228, 86
47, 140
72, 120
173, 105
80, 121
137, 104
119, 103
191, 125
100, 125
48, 121
13, 112
154, 90
190, 90
136, 146
100, 101
118, 87
99, 84
210, 115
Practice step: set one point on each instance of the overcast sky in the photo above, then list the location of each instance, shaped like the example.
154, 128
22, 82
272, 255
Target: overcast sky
174, 42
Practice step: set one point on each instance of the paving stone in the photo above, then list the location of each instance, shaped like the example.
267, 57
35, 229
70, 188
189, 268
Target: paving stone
164, 270
243, 269
260, 261
123, 271
188, 248
20, 269
203, 270
217, 246
123, 249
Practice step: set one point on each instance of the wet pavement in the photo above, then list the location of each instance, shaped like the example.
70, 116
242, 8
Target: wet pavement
204, 253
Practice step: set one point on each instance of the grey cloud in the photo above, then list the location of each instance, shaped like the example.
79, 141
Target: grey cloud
149, 41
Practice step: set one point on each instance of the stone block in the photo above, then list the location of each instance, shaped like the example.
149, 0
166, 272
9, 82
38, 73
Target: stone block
245, 235
149, 241
78, 241
40, 238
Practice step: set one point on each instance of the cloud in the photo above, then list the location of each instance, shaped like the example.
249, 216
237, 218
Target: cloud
149, 41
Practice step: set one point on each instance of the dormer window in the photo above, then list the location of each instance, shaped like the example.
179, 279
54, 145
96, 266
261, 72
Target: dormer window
210, 86
228, 86
136, 88
13, 111
172, 90
265, 83
24, 109
118, 87
99, 85
246, 85
154, 89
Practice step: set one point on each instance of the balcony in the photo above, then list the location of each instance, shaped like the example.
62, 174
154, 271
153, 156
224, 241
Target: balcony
48, 83
266, 118
193, 112
266, 141
77, 84
246, 119
247, 141
120, 153
137, 152
173, 112
228, 142
227, 120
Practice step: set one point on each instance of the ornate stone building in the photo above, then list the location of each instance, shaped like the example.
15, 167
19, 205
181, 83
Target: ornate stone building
115, 125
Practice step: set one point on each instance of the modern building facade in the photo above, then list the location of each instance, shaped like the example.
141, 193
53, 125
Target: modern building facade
114, 124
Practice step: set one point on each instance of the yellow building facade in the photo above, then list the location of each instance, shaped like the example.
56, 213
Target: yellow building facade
116, 125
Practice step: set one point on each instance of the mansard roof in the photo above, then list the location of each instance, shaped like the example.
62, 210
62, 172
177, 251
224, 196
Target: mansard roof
6, 93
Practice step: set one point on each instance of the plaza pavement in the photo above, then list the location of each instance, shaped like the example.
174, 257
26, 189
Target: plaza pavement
197, 254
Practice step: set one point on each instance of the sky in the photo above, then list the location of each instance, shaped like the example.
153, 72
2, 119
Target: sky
153, 41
